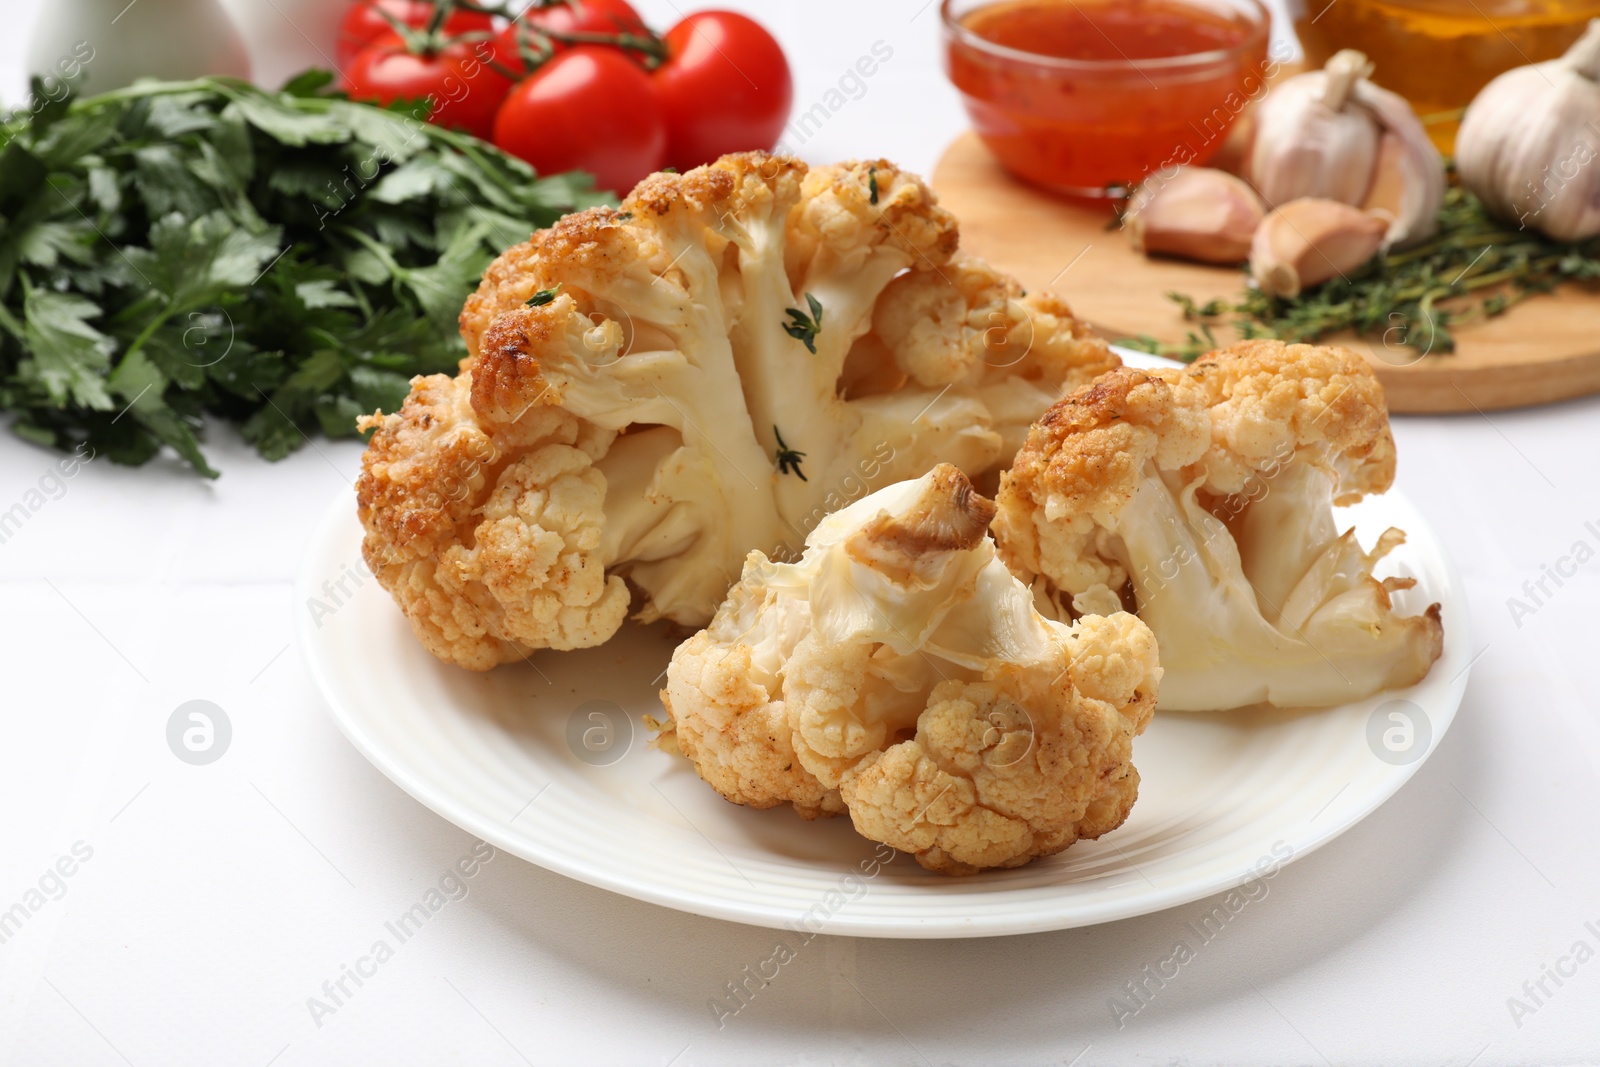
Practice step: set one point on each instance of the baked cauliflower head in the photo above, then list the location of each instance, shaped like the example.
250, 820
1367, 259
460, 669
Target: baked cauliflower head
653, 392
1203, 498
899, 672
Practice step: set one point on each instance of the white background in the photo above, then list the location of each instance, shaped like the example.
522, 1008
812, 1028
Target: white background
219, 898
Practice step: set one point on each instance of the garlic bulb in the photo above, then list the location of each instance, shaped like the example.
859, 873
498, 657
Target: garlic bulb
1322, 133
1529, 137
1306, 242
1197, 213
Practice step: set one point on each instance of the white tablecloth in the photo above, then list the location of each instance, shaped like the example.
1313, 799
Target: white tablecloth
186, 914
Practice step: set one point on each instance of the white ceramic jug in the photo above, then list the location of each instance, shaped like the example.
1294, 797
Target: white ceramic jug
286, 37
115, 41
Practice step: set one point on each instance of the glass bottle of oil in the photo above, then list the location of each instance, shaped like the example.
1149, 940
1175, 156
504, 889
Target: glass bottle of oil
1439, 53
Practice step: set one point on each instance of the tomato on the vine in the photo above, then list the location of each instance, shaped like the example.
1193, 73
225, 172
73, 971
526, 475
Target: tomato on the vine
464, 91
725, 87
364, 23
590, 108
576, 16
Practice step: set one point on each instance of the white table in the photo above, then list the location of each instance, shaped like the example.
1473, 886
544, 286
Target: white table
215, 900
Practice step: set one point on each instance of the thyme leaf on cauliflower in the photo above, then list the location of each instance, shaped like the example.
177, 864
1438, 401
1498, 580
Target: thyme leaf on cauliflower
805, 328
543, 297
788, 459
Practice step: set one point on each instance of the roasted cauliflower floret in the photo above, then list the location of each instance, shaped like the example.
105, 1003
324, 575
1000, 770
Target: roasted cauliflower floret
971, 327
898, 672
652, 392
1204, 499
479, 581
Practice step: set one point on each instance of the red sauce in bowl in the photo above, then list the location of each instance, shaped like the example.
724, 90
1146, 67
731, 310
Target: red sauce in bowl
1081, 94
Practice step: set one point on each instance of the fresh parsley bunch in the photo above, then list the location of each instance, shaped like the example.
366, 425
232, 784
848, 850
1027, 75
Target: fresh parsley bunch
286, 261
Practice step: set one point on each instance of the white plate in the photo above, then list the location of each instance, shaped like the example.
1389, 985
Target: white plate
496, 755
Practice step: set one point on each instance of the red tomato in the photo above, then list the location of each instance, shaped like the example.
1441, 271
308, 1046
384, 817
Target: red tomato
590, 108
364, 23
725, 87
465, 93
577, 16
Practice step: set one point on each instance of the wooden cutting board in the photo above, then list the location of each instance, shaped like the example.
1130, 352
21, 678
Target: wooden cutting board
1546, 348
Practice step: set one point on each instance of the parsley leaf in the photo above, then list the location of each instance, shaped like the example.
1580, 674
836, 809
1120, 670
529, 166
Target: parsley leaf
68, 357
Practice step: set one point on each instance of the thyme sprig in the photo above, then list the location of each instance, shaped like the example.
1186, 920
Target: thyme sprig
1474, 268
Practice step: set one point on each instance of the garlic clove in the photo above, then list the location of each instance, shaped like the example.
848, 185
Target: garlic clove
1388, 182
1325, 133
1196, 213
1306, 242
1529, 141
1422, 180
1310, 142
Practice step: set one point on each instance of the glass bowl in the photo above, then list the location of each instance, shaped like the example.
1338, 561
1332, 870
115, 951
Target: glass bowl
1083, 126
